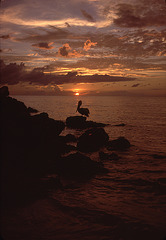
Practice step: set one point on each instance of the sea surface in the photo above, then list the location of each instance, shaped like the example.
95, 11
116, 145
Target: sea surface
128, 202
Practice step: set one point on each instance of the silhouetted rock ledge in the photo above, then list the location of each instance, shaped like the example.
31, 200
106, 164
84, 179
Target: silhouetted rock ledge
32, 110
79, 122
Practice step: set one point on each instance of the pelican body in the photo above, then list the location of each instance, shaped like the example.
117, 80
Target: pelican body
83, 111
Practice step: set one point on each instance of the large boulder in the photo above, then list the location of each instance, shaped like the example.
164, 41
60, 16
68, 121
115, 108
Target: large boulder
77, 166
44, 125
120, 144
4, 92
92, 140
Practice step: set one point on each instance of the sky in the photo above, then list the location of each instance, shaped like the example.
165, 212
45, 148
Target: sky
86, 47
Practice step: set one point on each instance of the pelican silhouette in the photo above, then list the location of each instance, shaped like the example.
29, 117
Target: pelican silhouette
83, 111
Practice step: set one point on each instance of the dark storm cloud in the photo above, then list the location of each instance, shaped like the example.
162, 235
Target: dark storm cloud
140, 15
67, 24
87, 16
135, 85
7, 36
12, 74
43, 45
63, 51
136, 43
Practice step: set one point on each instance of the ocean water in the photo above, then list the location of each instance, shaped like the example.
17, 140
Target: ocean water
128, 202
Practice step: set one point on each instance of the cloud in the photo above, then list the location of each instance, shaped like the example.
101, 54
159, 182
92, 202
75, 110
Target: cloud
32, 54
7, 36
49, 35
43, 45
13, 73
67, 24
64, 51
87, 16
6, 50
139, 16
88, 44
135, 85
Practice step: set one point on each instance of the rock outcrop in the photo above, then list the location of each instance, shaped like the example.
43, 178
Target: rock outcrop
92, 140
79, 122
120, 144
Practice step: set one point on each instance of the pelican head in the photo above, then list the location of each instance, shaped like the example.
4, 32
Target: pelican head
79, 103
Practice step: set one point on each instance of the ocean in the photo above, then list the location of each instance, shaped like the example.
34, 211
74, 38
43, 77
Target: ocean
128, 202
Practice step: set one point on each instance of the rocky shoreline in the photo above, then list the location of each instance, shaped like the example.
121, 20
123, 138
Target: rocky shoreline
33, 148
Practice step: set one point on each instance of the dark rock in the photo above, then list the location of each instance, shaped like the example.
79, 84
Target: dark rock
13, 110
32, 110
44, 125
77, 166
70, 138
4, 92
91, 124
68, 148
157, 156
42, 116
120, 143
76, 122
120, 125
79, 122
105, 156
92, 140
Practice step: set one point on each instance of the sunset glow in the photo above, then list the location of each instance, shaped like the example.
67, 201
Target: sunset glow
117, 49
82, 113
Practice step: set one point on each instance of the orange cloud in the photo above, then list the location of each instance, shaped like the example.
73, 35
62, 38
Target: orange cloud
65, 51
88, 44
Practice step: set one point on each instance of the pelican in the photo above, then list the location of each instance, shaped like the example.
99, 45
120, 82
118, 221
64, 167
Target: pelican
83, 111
